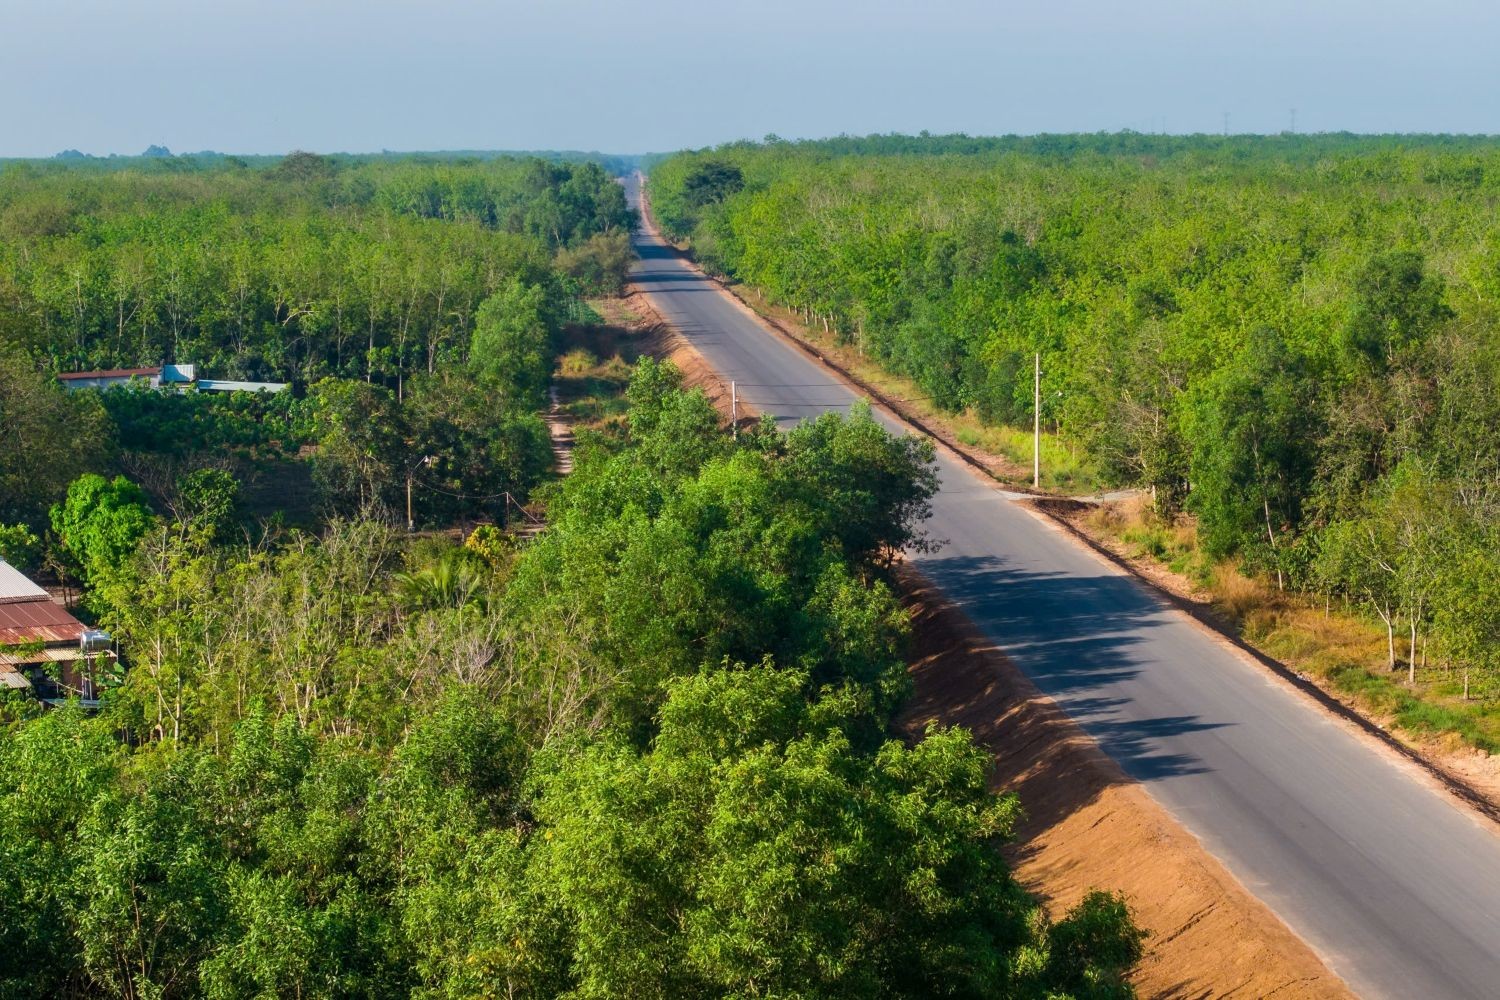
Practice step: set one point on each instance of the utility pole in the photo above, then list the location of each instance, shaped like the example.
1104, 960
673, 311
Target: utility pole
1036, 426
734, 410
411, 470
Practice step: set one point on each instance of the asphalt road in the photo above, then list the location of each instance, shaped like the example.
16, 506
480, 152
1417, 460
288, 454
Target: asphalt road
1394, 884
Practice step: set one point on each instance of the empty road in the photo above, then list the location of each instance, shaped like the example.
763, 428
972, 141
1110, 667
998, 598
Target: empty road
1395, 885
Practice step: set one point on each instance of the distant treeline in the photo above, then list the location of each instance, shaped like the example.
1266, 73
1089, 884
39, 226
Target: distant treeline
299, 270
161, 160
1294, 337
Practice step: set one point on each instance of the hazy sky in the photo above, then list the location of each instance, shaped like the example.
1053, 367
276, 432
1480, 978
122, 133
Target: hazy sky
359, 75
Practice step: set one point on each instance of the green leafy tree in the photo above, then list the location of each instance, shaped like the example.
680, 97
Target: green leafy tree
151, 893
1398, 304
1253, 454
51, 437
601, 264
208, 500
20, 547
39, 826
711, 182
753, 850
1466, 608
512, 343
100, 522
361, 458
872, 489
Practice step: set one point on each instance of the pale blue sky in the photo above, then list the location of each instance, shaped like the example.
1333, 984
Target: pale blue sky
359, 75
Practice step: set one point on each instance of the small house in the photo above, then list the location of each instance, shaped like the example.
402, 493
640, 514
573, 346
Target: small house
44, 648
180, 377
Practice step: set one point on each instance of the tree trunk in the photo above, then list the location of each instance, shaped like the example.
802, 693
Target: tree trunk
1411, 655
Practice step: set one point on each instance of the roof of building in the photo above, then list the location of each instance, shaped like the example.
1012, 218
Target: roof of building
111, 373
28, 613
15, 586
227, 385
37, 621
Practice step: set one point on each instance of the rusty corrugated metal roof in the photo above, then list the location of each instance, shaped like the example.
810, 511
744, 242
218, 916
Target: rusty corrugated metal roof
111, 373
37, 621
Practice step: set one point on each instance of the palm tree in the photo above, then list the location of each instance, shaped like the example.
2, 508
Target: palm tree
453, 580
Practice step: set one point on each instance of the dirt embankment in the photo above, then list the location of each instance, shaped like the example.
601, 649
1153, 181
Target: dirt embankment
1089, 826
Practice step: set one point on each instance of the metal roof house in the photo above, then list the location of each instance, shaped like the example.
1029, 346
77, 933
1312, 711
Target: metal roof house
181, 377
42, 647
110, 377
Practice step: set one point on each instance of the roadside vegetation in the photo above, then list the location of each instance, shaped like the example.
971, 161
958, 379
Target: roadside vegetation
1289, 343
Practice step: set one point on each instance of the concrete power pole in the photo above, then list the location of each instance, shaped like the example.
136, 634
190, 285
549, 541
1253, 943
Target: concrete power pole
1036, 426
734, 410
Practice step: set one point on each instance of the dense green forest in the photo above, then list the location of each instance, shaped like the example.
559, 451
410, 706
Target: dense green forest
1294, 338
647, 752
414, 301
644, 755
296, 271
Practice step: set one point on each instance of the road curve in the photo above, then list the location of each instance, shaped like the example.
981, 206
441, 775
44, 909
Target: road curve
1395, 885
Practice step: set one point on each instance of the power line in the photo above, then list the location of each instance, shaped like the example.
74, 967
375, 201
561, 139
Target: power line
461, 496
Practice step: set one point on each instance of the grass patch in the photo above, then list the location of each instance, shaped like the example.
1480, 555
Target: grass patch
1147, 536
578, 361
1063, 468
593, 368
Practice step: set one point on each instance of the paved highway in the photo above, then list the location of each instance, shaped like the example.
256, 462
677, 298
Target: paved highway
1396, 886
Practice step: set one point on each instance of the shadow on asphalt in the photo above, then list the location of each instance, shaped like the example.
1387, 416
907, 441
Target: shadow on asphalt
1074, 637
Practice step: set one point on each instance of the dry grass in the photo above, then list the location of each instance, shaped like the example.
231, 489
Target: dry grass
1145, 535
578, 361
1243, 599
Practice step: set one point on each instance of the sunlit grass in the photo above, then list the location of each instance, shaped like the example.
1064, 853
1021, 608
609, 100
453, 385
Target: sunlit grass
1064, 468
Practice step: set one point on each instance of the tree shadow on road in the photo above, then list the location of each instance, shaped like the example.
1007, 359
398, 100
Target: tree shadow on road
1073, 638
